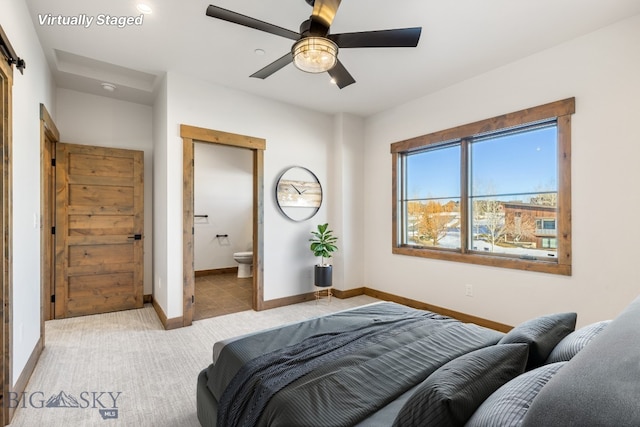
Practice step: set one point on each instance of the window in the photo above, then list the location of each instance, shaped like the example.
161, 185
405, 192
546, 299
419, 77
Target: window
549, 243
495, 192
545, 224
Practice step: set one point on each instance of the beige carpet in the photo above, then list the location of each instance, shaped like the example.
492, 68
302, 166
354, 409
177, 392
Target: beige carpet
87, 361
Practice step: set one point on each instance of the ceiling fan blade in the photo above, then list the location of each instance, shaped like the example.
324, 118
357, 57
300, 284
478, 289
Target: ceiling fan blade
401, 37
341, 76
274, 66
325, 10
237, 18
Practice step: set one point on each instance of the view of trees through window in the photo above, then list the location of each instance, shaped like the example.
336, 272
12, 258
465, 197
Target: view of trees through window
511, 192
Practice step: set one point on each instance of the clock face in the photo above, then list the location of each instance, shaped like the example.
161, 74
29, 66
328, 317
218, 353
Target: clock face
298, 193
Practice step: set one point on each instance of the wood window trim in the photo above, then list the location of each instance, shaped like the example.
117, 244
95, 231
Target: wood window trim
562, 111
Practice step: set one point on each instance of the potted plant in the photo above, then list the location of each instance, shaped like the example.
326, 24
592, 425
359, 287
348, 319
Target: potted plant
322, 245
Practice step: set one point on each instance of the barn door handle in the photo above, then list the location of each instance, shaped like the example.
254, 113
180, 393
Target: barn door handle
135, 237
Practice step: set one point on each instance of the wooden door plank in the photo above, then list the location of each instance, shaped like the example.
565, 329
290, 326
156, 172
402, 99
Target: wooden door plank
100, 180
82, 286
62, 230
84, 270
99, 195
99, 254
100, 166
100, 225
95, 210
99, 240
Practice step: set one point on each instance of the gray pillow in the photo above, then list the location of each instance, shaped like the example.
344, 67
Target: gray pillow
575, 341
510, 403
542, 334
451, 394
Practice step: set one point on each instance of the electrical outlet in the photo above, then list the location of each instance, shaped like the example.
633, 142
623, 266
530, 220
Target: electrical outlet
468, 290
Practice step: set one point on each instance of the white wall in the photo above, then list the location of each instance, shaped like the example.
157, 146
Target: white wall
29, 90
105, 122
160, 167
346, 208
223, 190
602, 71
294, 136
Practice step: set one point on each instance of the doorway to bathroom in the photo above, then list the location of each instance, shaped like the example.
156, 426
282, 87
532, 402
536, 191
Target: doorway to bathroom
190, 136
223, 229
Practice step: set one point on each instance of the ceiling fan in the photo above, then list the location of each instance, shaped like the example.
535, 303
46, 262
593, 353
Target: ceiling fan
315, 50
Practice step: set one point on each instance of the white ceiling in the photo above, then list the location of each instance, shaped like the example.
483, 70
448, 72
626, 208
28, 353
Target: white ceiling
460, 39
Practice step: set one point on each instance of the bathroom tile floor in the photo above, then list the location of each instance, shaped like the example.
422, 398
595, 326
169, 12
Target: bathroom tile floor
219, 294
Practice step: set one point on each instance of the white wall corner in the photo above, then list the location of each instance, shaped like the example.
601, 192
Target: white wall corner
346, 206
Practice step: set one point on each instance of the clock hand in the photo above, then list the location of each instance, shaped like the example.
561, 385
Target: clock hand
295, 188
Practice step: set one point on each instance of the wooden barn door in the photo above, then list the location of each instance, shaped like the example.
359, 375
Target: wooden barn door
98, 230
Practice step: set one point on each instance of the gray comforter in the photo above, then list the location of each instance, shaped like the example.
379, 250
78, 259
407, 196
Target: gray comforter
337, 370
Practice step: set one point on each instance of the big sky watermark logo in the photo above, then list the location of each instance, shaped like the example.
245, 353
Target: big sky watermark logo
106, 402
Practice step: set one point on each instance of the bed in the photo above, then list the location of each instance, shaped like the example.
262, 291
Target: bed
386, 364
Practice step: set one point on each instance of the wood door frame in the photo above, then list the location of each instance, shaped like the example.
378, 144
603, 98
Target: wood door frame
6, 305
190, 135
49, 135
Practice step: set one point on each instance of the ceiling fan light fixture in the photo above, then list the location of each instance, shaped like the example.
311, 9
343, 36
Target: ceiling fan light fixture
315, 54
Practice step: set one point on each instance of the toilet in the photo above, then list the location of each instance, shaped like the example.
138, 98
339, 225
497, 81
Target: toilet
245, 263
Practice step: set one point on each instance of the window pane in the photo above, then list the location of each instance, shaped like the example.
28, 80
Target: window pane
521, 226
431, 204
514, 194
433, 174
433, 223
524, 162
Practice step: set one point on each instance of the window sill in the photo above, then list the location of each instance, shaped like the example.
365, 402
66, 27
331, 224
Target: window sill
551, 267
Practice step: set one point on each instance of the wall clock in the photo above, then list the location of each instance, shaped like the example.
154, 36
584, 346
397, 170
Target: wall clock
298, 193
